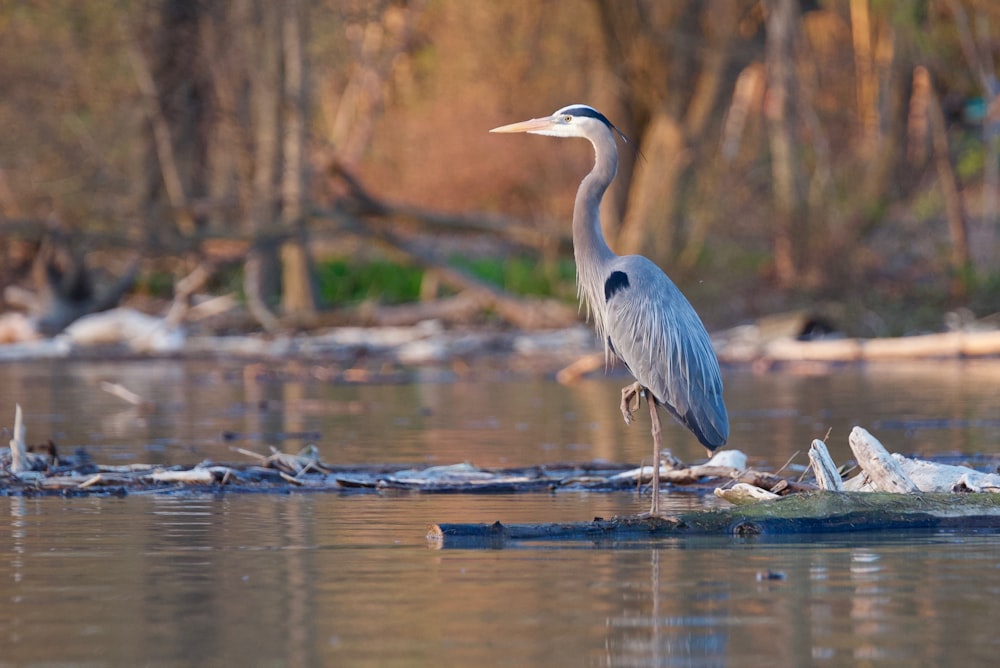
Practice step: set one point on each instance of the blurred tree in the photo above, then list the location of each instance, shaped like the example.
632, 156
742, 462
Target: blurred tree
782, 23
806, 148
174, 99
226, 104
979, 53
673, 59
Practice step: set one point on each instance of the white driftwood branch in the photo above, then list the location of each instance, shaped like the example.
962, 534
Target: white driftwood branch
882, 471
827, 476
934, 477
18, 448
122, 392
735, 459
742, 494
195, 475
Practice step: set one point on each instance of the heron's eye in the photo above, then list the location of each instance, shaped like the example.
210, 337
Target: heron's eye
568, 118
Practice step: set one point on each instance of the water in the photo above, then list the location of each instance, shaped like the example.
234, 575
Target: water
331, 579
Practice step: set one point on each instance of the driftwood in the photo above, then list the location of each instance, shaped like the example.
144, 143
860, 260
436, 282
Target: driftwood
813, 513
809, 336
136, 331
42, 470
743, 493
882, 471
18, 448
788, 349
827, 476
698, 473
47, 472
65, 288
462, 307
68, 303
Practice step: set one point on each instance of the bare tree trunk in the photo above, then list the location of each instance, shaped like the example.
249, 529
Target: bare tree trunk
261, 278
705, 99
255, 271
224, 38
169, 126
637, 58
671, 125
957, 226
647, 226
865, 82
781, 18
888, 81
297, 297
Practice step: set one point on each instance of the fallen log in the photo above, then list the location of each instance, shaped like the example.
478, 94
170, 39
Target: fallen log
808, 514
734, 348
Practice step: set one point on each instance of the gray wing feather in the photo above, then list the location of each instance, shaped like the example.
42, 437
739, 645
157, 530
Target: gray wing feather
657, 333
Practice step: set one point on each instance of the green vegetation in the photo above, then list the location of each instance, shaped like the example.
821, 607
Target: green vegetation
155, 283
346, 281
524, 276
343, 281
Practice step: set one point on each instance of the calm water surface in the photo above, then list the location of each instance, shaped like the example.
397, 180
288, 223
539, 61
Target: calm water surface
332, 579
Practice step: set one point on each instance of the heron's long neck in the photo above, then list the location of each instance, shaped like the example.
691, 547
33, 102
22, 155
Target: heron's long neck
589, 247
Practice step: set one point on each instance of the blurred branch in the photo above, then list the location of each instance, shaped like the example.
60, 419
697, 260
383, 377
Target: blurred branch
970, 50
359, 201
526, 313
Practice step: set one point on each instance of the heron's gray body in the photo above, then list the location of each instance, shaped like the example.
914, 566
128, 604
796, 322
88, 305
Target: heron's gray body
642, 317
659, 337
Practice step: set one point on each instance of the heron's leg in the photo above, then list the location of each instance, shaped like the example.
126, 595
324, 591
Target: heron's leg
654, 417
630, 392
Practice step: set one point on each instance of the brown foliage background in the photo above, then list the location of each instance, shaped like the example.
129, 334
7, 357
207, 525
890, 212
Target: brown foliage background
786, 153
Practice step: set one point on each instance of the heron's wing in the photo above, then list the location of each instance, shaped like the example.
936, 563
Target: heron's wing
656, 332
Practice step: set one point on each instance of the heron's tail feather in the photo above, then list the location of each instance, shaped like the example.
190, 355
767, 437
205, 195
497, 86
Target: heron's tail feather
711, 427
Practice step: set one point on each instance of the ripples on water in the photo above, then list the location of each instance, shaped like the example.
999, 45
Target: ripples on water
201, 410
348, 580
326, 579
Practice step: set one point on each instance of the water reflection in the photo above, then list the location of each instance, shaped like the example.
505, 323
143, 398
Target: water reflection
197, 411
305, 580
327, 580
836, 604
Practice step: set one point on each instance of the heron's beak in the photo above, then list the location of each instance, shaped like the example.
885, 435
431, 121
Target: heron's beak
534, 125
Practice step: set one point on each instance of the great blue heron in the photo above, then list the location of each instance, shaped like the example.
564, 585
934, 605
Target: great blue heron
642, 317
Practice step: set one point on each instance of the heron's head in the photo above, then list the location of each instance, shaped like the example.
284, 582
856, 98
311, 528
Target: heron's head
576, 120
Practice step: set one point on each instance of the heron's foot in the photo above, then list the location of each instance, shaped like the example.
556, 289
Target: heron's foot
660, 516
630, 394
